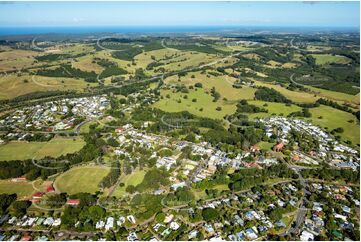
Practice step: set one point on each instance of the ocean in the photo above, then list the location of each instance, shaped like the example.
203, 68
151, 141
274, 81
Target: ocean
29, 30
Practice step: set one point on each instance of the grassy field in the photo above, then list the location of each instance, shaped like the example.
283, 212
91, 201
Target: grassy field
333, 118
13, 85
337, 96
265, 145
204, 101
322, 59
134, 179
12, 59
14, 150
23, 189
81, 179
279, 109
299, 97
223, 85
304, 97
85, 63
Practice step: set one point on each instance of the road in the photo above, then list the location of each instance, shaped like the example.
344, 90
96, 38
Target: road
302, 210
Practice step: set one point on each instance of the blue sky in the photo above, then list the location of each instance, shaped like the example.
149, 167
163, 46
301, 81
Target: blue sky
328, 14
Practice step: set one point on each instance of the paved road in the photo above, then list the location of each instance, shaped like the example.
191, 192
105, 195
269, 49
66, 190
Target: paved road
302, 210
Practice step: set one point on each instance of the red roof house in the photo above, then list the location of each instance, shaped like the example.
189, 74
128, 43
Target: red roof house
38, 195
119, 130
50, 188
278, 147
73, 202
25, 238
255, 148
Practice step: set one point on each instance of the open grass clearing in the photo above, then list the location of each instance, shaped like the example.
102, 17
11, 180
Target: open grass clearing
135, 178
14, 150
333, 118
204, 101
279, 109
81, 179
223, 85
323, 59
296, 96
85, 63
13, 85
336, 96
23, 189
265, 145
14, 59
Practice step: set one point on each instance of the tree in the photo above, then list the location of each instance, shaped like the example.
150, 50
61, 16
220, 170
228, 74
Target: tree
5, 201
96, 212
198, 84
57, 200
130, 189
18, 208
209, 214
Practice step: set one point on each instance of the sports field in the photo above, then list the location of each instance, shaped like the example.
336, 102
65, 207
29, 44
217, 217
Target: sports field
23, 189
21, 150
81, 179
134, 179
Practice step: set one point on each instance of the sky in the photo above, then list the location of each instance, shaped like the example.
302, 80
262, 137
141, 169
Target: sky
321, 14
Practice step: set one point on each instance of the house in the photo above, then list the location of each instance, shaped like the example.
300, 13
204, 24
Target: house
100, 224
178, 185
192, 234
57, 222
168, 218
174, 225
209, 228
48, 221
25, 238
73, 202
132, 237
19, 179
346, 209
296, 158
344, 218
280, 203
250, 234
278, 147
50, 189
120, 221
306, 236
255, 148
131, 219
119, 130
38, 195
109, 224
42, 238
280, 224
